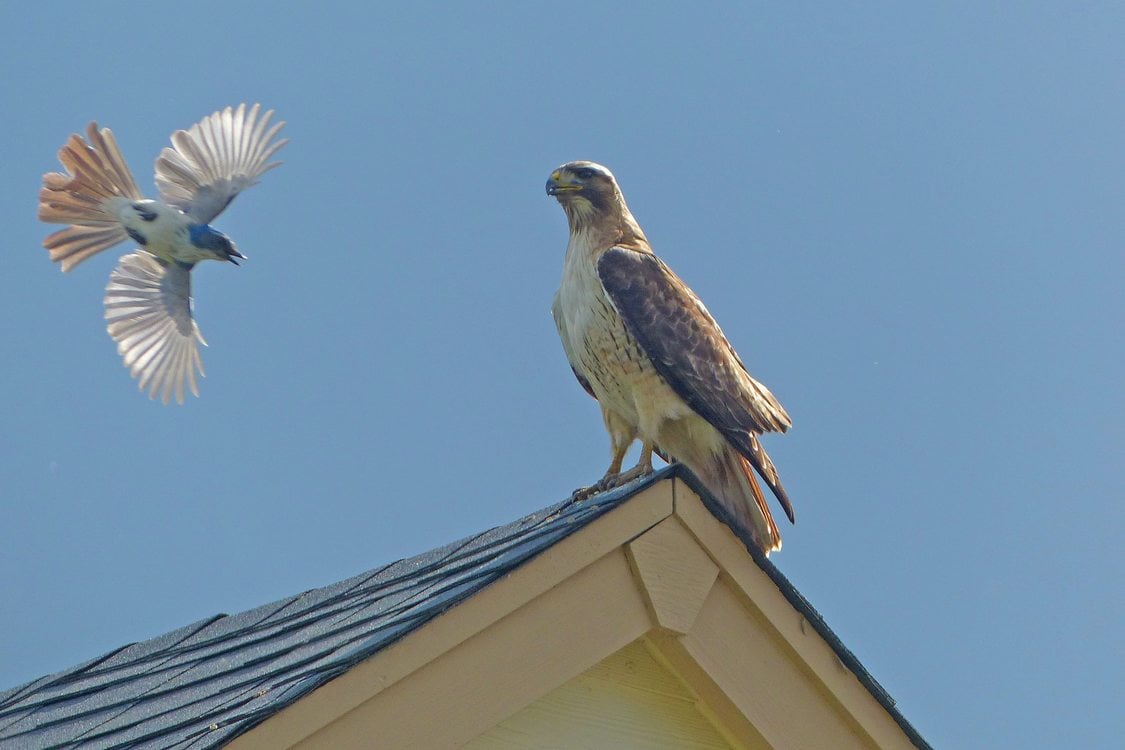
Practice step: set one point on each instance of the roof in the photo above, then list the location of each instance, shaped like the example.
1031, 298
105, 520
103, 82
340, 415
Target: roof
205, 684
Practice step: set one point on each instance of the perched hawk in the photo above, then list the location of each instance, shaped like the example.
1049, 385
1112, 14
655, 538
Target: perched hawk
645, 347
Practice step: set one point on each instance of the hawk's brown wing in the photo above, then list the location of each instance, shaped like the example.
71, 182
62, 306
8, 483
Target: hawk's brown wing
689, 350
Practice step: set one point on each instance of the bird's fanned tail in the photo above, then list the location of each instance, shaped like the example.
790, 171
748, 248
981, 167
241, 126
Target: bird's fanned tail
97, 181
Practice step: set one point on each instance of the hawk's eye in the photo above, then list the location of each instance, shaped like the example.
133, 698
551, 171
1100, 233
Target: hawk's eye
584, 173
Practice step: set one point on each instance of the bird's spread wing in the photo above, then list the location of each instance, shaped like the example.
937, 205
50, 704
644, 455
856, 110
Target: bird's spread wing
216, 159
148, 309
689, 350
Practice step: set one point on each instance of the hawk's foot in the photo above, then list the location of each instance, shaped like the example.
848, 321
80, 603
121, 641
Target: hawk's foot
611, 481
584, 493
608, 482
642, 469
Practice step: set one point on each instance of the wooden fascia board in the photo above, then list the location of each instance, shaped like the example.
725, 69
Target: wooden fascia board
760, 598
601, 540
516, 660
727, 716
745, 663
768, 683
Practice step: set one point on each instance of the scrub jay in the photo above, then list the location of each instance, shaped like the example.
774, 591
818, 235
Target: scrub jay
148, 300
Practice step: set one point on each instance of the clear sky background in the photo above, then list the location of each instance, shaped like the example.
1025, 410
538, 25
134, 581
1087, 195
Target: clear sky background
908, 220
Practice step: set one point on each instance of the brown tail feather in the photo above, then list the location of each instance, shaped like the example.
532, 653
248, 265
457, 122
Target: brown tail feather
72, 245
96, 181
730, 477
63, 207
113, 162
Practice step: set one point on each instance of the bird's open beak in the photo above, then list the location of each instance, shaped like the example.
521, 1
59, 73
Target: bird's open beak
235, 254
560, 182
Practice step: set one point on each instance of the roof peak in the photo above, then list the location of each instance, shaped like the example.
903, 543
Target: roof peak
208, 682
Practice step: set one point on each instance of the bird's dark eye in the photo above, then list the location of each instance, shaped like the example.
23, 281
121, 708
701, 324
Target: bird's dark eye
584, 173
144, 213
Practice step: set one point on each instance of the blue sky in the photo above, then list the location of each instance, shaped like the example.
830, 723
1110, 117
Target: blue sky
908, 220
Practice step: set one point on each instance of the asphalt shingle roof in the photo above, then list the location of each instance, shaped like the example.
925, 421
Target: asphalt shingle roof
202, 685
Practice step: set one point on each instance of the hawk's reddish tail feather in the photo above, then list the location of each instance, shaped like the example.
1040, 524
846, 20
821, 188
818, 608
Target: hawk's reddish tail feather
730, 478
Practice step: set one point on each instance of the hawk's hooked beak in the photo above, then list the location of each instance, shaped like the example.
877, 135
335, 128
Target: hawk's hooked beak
562, 182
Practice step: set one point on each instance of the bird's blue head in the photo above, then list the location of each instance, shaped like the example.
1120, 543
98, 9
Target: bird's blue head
214, 243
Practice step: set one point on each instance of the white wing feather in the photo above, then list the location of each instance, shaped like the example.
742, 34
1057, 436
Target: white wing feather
148, 309
217, 159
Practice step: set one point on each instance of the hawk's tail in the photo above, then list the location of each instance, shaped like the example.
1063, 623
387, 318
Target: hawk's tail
760, 460
96, 181
728, 475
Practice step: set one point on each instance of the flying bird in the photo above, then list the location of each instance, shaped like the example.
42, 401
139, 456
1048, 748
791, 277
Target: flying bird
148, 302
643, 344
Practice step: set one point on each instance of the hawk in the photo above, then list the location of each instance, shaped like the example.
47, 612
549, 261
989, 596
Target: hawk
642, 343
148, 300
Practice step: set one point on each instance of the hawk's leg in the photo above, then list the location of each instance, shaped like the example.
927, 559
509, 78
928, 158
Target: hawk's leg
642, 469
621, 438
621, 445
614, 477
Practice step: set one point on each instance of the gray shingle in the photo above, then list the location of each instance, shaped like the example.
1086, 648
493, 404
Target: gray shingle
202, 685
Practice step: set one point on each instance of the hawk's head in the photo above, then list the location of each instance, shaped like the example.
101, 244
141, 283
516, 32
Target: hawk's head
583, 188
593, 203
